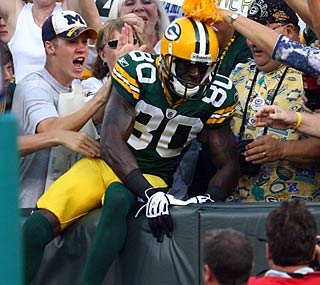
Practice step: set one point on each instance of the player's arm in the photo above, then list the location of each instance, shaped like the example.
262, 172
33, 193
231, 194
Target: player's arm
117, 126
223, 151
118, 122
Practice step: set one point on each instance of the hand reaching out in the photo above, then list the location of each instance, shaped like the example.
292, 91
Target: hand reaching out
275, 117
78, 142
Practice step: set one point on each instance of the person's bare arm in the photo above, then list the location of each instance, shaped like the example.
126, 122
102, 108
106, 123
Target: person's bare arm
87, 9
314, 6
77, 119
263, 37
302, 151
308, 11
75, 141
276, 117
9, 11
302, 9
223, 149
268, 149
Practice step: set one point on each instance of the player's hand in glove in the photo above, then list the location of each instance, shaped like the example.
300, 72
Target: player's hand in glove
200, 199
157, 212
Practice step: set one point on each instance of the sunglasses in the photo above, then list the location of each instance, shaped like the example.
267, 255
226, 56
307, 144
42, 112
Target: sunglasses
114, 43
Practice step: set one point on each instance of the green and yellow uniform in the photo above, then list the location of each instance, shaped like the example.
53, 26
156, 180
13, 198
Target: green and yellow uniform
162, 133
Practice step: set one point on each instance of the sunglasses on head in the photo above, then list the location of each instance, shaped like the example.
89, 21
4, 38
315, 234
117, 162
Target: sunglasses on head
114, 43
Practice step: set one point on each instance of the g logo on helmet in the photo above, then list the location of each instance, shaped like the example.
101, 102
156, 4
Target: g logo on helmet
173, 32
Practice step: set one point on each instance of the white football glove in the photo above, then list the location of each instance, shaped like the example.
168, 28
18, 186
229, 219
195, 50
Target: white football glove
200, 199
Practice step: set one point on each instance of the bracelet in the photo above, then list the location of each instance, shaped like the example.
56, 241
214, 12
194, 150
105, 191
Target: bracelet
299, 120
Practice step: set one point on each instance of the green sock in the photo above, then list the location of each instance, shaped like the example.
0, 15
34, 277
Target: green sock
36, 234
110, 235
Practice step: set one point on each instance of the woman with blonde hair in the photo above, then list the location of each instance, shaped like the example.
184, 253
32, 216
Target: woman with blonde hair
151, 12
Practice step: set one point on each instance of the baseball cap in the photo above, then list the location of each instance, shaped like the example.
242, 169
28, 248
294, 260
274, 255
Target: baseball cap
272, 11
65, 24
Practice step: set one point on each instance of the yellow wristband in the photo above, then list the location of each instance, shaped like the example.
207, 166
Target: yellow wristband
298, 123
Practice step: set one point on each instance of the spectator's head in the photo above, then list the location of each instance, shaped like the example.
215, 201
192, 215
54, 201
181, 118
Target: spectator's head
67, 25
189, 52
228, 257
152, 12
278, 16
7, 64
65, 36
272, 11
291, 235
4, 33
106, 46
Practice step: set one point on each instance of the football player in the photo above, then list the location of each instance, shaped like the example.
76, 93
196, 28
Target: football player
158, 105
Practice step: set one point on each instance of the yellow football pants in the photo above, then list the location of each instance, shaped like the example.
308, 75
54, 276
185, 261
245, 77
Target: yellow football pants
81, 189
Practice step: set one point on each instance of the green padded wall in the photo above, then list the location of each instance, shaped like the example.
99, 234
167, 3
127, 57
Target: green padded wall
144, 261
10, 244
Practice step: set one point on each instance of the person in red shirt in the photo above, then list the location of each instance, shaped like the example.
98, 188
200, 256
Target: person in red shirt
291, 248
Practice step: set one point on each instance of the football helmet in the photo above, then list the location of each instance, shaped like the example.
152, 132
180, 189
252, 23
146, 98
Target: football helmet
186, 44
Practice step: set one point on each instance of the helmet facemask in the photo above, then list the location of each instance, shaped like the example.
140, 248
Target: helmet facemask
181, 81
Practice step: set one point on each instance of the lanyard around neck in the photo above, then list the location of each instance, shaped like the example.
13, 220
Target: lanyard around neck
253, 83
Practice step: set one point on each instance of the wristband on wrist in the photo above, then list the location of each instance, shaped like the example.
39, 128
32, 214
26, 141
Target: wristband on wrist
136, 183
299, 120
216, 194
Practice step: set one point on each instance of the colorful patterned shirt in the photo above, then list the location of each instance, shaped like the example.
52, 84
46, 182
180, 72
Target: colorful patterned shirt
279, 180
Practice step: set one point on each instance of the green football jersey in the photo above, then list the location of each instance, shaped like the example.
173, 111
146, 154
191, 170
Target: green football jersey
163, 131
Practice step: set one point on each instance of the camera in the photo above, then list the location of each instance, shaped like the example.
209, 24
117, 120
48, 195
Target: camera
311, 85
246, 167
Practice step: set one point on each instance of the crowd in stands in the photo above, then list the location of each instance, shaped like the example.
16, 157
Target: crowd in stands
125, 108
